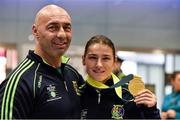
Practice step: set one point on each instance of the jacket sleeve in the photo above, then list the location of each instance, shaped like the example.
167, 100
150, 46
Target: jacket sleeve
165, 105
150, 113
177, 115
15, 99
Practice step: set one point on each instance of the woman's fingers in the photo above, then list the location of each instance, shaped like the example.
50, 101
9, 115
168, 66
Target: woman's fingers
146, 97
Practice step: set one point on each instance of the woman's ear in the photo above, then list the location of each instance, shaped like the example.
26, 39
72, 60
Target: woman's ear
83, 60
172, 81
116, 59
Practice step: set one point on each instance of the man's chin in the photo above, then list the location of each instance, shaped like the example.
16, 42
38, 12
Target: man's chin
61, 51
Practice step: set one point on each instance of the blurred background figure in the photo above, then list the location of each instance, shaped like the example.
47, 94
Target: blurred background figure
171, 104
117, 68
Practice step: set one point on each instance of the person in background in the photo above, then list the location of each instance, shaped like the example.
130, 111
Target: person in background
117, 68
98, 99
42, 86
171, 104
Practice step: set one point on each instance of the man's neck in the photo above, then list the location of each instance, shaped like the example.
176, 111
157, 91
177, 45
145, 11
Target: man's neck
50, 60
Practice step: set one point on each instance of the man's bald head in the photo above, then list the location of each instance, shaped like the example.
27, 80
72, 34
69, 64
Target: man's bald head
53, 32
50, 10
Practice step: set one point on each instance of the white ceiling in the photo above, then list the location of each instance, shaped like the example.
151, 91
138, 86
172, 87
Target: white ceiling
129, 23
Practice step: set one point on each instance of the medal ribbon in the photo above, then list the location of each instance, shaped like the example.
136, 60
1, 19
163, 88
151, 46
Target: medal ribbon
117, 83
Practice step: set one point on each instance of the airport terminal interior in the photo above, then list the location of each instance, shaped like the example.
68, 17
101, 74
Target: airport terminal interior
146, 34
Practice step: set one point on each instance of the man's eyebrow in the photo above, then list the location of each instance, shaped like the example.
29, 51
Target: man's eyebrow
68, 24
53, 23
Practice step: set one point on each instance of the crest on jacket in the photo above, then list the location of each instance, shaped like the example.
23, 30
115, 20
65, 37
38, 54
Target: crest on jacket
52, 93
117, 112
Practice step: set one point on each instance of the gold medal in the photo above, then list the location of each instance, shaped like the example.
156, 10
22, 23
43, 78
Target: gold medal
136, 85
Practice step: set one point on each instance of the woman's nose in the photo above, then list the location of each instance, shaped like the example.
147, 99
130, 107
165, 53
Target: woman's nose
99, 63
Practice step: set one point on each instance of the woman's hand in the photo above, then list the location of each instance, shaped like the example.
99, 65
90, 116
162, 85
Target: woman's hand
146, 97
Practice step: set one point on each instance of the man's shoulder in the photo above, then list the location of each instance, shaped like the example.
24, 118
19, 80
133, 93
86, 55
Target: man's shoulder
72, 72
69, 68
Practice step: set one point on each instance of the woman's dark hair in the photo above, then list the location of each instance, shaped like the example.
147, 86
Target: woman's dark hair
175, 73
101, 39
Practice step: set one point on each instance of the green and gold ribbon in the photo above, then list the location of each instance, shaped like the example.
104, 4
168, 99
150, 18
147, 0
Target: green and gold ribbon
100, 85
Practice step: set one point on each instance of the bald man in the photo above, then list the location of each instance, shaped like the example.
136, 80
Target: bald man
42, 85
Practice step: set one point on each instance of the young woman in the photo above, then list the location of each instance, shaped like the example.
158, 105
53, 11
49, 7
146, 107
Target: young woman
171, 105
100, 101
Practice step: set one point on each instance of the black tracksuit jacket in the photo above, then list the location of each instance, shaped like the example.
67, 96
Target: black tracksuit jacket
37, 90
99, 104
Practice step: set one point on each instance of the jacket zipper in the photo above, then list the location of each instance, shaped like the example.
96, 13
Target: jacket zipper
65, 85
99, 96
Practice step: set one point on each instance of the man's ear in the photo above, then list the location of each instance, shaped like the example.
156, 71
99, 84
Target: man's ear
83, 60
35, 31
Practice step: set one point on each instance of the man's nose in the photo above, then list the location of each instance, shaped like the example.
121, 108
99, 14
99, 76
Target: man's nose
61, 33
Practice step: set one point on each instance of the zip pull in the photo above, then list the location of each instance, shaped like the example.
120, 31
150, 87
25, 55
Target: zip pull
99, 96
65, 86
